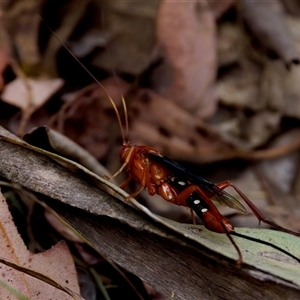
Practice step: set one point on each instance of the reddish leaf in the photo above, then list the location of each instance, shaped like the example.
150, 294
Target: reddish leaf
30, 93
186, 35
56, 263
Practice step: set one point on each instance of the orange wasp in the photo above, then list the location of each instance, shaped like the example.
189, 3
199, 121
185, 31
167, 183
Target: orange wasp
176, 184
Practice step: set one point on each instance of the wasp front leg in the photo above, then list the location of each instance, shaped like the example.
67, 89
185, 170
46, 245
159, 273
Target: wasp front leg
143, 177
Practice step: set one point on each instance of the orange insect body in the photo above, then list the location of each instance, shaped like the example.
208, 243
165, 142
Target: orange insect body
148, 174
156, 179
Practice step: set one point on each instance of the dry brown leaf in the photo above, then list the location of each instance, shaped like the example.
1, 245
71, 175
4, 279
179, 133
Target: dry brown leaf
185, 137
186, 36
38, 92
160, 123
266, 21
85, 118
55, 263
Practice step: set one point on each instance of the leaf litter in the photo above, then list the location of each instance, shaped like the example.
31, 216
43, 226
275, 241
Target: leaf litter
214, 77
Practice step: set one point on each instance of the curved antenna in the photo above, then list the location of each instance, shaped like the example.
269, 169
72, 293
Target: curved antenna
124, 137
126, 140
126, 120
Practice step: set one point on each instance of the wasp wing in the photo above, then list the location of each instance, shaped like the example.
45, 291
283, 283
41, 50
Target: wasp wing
184, 175
224, 198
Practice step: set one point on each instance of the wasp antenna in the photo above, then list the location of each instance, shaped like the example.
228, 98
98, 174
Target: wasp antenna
125, 134
124, 138
126, 120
